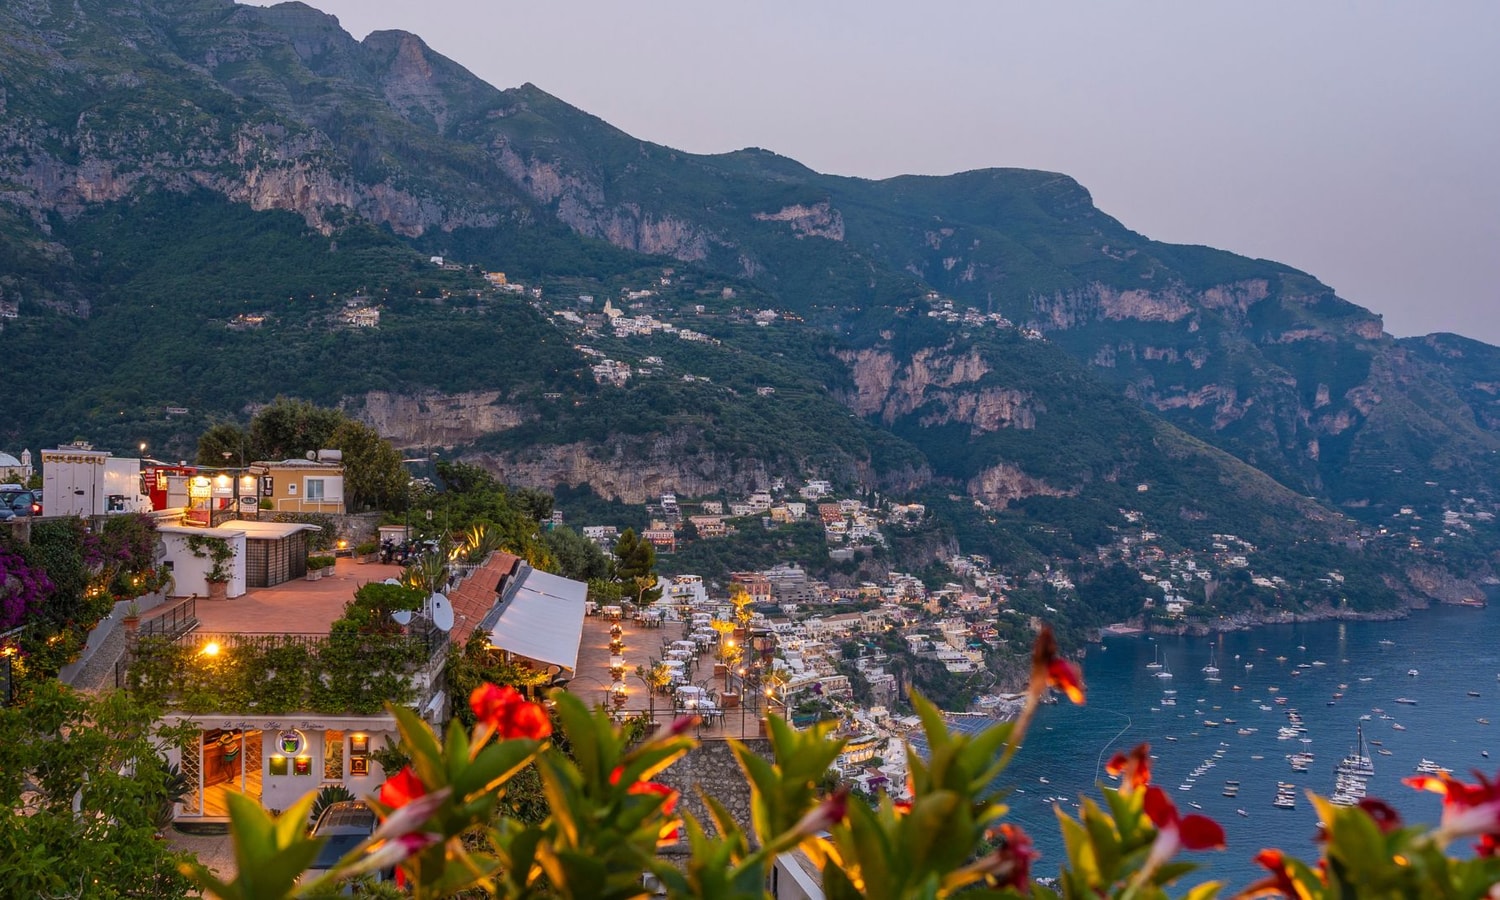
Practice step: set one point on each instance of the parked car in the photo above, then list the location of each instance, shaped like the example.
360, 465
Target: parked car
345, 824
18, 501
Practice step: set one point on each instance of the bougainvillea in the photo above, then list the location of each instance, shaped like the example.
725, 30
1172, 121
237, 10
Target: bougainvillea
22, 588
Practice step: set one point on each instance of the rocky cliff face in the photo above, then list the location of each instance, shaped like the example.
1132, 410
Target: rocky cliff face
639, 470
432, 419
940, 384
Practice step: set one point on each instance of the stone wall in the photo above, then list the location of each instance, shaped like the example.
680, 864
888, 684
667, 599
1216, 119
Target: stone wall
712, 769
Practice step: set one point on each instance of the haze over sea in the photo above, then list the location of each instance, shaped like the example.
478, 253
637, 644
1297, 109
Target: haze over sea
1454, 649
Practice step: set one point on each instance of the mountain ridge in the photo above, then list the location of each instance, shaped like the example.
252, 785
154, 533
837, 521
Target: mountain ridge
133, 113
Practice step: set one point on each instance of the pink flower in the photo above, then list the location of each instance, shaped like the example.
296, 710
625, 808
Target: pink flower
676, 728
1174, 832
1467, 808
825, 815
394, 851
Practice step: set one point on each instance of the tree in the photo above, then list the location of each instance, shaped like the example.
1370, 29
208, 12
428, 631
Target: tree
577, 557
635, 567
290, 428
84, 786
373, 476
225, 437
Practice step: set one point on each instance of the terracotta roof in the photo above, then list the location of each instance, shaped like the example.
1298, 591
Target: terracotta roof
478, 593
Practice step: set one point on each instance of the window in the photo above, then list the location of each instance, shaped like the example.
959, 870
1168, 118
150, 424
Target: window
314, 489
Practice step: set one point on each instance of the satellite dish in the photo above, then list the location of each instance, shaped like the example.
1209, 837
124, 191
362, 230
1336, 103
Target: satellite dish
312, 455
441, 611
402, 616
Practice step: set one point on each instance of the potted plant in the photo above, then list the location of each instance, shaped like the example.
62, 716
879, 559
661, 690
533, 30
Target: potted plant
316, 565
220, 556
367, 551
132, 618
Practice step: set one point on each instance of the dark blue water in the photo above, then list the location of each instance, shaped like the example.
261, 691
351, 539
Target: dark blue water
1455, 650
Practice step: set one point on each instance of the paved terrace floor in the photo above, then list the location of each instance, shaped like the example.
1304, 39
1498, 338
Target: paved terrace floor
592, 680
298, 606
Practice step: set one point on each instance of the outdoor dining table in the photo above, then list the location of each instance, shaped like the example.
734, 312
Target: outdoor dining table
685, 645
612, 611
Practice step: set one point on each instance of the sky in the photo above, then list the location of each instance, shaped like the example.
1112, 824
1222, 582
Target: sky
1357, 141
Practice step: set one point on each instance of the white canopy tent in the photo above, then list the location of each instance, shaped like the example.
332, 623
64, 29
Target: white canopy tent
540, 617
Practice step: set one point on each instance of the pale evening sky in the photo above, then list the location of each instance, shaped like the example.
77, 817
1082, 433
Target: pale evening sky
1355, 140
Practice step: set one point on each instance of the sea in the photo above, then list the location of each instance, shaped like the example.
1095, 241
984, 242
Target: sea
1454, 650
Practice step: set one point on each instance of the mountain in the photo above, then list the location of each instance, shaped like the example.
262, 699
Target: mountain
193, 192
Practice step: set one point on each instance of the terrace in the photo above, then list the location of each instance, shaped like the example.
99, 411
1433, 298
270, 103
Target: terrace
595, 684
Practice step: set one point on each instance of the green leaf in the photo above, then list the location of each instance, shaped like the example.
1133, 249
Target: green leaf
497, 763
422, 745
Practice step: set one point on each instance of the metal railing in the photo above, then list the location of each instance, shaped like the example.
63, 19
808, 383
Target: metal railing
175, 620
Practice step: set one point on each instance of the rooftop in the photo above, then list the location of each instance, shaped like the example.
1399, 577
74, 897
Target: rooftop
295, 607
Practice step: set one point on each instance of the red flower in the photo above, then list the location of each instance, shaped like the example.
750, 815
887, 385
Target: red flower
669, 802
1050, 670
1279, 883
1134, 768
402, 788
1010, 864
1467, 808
902, 807
1174, 832
503, 711
1385, 817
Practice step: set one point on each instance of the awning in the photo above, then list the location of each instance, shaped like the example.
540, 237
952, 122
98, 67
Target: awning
541, 618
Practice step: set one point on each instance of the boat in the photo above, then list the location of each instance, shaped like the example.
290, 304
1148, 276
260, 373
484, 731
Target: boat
1483, 721
1383, 752
1473, 693
1386, 642
1428, 767
1243, 813
1281, 659
1249, 666
1358, 762
1166, 670
1407, 700
1155, 663
1412, 672
1399, 727
1210, 669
